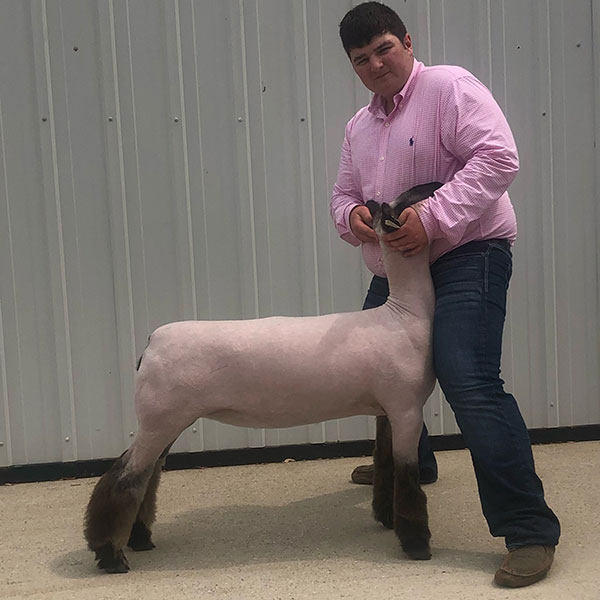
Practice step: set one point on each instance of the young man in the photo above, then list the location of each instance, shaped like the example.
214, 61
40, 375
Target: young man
440, 123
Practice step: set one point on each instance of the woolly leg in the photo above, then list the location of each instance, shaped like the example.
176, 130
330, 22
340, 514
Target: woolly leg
383, 474
111, 513
141, 535
410, 502
410, 512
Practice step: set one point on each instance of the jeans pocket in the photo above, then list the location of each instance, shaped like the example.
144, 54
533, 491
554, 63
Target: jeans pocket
459, 275
498, 271
502, 248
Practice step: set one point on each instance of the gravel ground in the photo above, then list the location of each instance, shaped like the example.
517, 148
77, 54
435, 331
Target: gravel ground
296, 531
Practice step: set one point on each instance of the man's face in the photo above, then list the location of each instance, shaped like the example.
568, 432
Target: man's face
385, 64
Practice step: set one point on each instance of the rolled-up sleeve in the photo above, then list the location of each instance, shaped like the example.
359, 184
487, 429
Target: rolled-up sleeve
346, 194
475, 131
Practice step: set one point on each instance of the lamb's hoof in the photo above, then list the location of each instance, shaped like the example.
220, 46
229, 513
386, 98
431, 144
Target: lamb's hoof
417, 549
383, 507
386, 518
110, 560
140, 539
137, 546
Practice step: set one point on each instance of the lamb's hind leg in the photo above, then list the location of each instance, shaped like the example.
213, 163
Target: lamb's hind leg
383, 474
112, 510
410, 502
140, 537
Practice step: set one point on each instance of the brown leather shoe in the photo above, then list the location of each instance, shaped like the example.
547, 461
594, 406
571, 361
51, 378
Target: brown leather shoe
524, 566
364, 475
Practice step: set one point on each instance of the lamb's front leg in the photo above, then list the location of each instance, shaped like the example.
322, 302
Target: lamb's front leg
383, 474
410, 502
410, 511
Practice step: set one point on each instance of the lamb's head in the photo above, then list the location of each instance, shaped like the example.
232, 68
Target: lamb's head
384, 219
386, 216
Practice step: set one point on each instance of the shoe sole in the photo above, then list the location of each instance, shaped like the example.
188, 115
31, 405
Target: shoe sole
504, 579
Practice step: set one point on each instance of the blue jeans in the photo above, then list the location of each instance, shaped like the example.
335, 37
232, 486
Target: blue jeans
470, 284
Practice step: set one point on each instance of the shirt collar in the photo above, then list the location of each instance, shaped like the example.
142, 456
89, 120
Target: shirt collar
377, 105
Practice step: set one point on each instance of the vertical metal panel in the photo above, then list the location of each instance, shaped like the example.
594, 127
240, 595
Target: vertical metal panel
31, 286
173, 160
524, 37
593, 357
576, 235
117, 208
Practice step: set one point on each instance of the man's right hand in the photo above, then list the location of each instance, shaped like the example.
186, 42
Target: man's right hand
361, 225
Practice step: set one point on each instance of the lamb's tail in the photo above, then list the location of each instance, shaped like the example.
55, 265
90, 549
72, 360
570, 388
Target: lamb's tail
139, 362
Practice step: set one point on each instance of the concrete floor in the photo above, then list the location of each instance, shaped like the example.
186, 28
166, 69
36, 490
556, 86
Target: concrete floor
295, 531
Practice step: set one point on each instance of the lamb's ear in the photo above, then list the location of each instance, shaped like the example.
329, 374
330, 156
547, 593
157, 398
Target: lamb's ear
374, 208
414, 195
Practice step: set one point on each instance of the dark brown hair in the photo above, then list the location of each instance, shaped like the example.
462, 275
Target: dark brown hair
368, 20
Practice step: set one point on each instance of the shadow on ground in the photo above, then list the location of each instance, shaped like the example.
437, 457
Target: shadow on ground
335, 525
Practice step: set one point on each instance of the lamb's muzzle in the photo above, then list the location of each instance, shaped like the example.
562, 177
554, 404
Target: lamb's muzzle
282, 372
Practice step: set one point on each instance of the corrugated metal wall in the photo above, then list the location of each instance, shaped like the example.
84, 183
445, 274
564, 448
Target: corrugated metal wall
165, 160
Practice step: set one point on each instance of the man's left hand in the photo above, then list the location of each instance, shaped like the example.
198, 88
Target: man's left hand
411, 238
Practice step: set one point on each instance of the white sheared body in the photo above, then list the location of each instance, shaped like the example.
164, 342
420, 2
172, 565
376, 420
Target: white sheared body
280, 372
286, 371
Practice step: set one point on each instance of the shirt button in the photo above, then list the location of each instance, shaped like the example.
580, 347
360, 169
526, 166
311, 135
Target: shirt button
387, 125
379, 193
381, 158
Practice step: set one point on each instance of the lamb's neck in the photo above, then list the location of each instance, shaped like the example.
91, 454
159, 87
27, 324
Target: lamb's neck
411, 288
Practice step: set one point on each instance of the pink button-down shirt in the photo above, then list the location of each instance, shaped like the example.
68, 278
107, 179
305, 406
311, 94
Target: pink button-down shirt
445, 126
